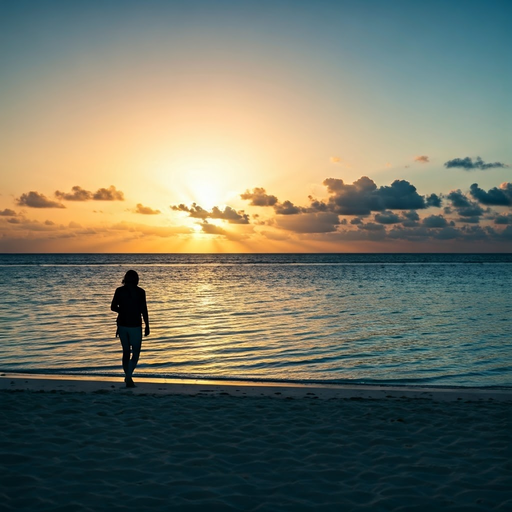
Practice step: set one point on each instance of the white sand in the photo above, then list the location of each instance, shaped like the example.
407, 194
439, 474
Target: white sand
85, 445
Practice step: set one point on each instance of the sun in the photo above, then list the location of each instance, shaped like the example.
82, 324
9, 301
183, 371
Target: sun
204, 188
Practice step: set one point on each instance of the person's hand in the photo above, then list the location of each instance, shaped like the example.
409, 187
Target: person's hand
146, 331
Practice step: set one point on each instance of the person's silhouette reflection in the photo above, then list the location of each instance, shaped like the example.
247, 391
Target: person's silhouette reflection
130, 302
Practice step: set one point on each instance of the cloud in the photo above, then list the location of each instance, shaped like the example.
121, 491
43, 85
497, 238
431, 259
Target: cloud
8, 213
458, 199
470, 210
77, 194
411, 215
435, 221
229, 214
433, 200
195, 211
259, 197
495, 196
146, 210
387, 217
212, 229
287, 208
363, 196
108, 194
468, 165
36, 200
309, 222
423, 159
335, 160
504, 219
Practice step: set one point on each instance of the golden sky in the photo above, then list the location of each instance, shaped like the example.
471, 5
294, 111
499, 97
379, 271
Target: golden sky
255, 126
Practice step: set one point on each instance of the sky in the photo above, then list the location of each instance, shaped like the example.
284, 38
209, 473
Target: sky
255, 126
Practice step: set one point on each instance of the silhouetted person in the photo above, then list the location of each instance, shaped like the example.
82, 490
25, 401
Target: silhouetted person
130, 302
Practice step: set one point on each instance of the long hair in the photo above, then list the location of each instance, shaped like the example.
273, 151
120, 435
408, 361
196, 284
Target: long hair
131, 277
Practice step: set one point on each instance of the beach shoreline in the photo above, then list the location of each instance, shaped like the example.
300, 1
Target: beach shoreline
164, 386
85, 444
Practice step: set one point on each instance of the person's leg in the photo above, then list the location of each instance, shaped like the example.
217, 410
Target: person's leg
124, 336
136, 343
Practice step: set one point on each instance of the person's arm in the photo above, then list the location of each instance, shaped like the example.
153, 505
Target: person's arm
115, 303
145, 314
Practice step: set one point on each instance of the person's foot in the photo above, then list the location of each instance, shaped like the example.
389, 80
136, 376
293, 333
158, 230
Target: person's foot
129, 382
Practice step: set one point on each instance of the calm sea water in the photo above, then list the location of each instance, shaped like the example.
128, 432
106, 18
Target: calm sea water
442, 320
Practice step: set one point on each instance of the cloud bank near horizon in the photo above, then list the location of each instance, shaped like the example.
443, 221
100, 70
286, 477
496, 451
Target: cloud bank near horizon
361, 211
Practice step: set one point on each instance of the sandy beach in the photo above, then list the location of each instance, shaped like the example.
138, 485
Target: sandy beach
91, 444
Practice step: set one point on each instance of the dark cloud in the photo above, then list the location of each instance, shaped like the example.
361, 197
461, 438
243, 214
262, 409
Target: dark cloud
472, 210
195, 211
372, 226
504, 219
231, 215
387, 217
259, 197
422, 159
287, 208
36, 200
495, 196
467, 209
146, 210
458, 199
77, 194
363, 196
228, 214
411, 215
470, 219
8, 213
468, 165
435, 221
433, 200
108, 194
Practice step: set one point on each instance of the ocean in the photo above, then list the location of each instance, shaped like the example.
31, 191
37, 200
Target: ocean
390, 319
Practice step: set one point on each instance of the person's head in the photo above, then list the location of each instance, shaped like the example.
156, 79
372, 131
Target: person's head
131, 277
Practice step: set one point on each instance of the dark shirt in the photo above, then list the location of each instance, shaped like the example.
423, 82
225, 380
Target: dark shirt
130, 302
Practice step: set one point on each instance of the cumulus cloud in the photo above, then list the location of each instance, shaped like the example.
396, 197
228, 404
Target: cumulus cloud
195, 211
468, 164
108, 194
146, 210
36, 200
495, 196
229, 214
287, 208
79, 194
387, 217
7, 212
458, 199
363, 196
433, 200
504, 219
259, 197
469, 210
435, 221
423, 159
